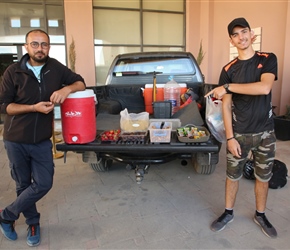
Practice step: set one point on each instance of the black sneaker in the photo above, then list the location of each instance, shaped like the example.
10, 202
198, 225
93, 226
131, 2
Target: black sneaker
33, 235
7, 228
266, 226
221, 222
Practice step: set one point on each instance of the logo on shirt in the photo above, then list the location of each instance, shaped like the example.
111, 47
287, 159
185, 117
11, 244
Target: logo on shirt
260, 66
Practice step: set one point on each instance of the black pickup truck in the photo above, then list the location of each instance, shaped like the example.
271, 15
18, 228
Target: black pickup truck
126, 80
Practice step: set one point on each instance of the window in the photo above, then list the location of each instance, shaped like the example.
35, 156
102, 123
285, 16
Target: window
15, 23
34, 23
19, 17
53, 23
134, 26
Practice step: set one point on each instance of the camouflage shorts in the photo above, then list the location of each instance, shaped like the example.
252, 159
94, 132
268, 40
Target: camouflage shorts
263, 148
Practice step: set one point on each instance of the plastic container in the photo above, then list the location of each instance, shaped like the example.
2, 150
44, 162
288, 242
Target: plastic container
192, 134
158, 134
172, 94
133, 137
78, 117
162, 109
175, 123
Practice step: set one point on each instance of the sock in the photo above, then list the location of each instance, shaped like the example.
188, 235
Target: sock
229, 211
260, 213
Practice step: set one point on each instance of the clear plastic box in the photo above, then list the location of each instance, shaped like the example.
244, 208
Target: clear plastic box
158, 134
133, 136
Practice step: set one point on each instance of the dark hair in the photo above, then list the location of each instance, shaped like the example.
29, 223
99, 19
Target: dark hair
37, 30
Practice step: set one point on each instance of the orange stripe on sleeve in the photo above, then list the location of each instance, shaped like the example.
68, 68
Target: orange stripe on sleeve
263, 54
230, 64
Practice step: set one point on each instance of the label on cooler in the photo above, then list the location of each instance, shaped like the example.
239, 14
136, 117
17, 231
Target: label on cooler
72, 114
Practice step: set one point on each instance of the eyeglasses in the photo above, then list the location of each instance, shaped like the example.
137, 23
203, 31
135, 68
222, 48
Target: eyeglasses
35, 45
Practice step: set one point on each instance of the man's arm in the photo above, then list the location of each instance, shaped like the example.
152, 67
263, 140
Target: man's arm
232, 145
17, 109
256, 88
45, 107
60, 95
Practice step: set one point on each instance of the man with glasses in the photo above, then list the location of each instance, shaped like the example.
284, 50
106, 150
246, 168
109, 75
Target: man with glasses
28, 93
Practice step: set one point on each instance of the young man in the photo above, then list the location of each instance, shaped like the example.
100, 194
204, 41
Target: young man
28, 92
245, 87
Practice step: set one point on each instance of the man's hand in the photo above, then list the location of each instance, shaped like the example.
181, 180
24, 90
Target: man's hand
60, 95
217, 92
43, 107
234, 147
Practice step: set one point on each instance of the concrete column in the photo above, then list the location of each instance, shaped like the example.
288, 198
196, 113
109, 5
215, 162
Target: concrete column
79, 27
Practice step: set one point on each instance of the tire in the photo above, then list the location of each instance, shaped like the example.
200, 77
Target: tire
102, 165
200, 164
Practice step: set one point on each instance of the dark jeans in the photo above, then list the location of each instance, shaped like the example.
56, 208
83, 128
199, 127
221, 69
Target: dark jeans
32, 169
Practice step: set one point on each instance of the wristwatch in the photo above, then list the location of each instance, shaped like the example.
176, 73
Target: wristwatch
226, 86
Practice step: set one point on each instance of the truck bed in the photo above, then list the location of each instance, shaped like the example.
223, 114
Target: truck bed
139, 156
127, 78
109, 121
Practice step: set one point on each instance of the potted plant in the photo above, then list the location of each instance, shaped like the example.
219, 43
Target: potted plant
282, 125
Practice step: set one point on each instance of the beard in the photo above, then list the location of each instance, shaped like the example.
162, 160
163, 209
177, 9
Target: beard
39, 57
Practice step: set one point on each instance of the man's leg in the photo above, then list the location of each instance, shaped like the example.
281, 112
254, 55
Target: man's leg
19, 164
261, 193
42, 171
234, 174
232, 188
228, 216
264, 156
33, 183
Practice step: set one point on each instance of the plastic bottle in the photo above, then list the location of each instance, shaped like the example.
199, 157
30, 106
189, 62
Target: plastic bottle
172, 94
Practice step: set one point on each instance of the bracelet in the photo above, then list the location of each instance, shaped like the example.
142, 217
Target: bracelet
231, 138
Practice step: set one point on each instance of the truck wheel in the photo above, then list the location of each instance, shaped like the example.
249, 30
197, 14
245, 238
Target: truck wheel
201, 164
102, 165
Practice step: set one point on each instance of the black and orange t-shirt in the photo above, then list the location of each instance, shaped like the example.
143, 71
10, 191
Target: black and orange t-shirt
251, 113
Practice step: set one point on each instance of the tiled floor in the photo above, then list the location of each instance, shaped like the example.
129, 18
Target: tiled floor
171, 209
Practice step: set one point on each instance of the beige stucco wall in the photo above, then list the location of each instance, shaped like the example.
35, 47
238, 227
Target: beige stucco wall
207, 20
285, 86
213, 18
79, 26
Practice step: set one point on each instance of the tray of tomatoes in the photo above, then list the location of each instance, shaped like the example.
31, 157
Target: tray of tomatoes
110, 135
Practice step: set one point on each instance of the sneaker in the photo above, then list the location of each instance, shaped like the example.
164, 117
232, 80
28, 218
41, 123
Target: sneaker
8, 229
266, 226
33, 235
220, 223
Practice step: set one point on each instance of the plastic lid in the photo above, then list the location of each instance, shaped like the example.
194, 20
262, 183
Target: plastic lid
82, 94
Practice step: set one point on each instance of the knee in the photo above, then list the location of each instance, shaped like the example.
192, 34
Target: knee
43, 187
263, 172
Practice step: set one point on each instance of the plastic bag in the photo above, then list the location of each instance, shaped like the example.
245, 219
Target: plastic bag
214, 119
132, 122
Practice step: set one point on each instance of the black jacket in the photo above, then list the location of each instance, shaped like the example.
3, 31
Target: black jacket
20, 86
